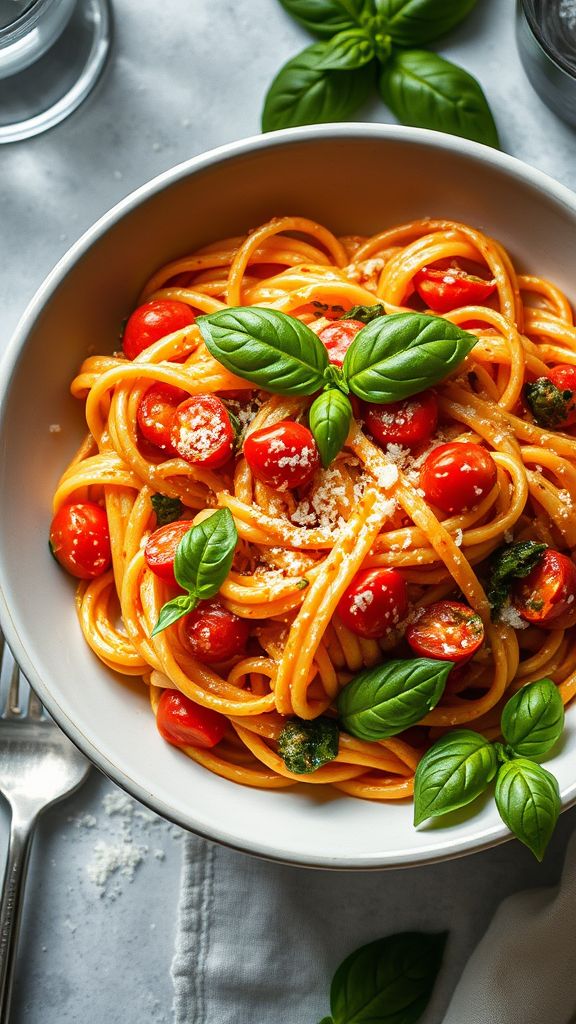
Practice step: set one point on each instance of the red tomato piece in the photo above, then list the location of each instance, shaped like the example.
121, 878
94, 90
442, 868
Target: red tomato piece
283, 455
214, 634
201, 431
337, 338
186, 724
80, 540
155, 414
564, 377
153, 321
457, 476
547, 596
447, 630
374, 602
408, 423
160, 549
443, 290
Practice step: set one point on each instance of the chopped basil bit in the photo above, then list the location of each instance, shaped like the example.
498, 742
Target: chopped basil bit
510, 563
549, 406
306, 746
167, 509
364, 313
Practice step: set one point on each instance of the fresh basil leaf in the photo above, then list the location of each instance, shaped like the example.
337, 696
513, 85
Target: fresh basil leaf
174, 610
325, 18
549, 406
306, 746
346, 51
365, 314
385, 700
327, 1020
528, 801
414, 22
426, 91
266, 347
533, 719
167, 510
204, 555
399, 355
456, 770
330, 416
304, 93
389, 981
509, 563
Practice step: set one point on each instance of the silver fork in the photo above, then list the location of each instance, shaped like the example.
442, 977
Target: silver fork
38, 765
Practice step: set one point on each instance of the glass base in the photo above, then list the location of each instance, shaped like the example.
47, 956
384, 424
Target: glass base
50, 89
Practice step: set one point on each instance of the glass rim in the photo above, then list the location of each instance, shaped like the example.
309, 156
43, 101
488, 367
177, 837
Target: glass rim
553, 54
25, 21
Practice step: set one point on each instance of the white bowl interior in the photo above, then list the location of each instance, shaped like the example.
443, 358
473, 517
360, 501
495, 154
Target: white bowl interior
355, 179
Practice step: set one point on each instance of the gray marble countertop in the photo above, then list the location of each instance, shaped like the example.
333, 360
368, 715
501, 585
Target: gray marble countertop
183, 78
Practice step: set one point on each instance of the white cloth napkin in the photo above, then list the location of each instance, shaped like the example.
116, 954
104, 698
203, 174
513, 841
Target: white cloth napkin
257, 943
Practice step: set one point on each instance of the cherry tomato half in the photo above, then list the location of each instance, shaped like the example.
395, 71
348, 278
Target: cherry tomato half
547, 597
201, 431
186, 724
457, 476
152, 321
80, 541
443, 290
374, 602
447, 630
564, 377
214, 634
337, 338
407, 423
283, 455
160, 549
155, 414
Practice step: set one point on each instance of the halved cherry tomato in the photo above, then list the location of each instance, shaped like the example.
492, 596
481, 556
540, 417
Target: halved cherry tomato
201, 431
337, 338
155, 414
283, 455
447, 630
564, 377
214, 634
407, 423
80, 540
160, 549
186, 724
443, 290
152, 321
457, 476
374, 602
547, 597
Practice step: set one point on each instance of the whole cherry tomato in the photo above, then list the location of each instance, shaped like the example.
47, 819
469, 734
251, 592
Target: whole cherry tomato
457, 476
160, 549
156, 412
337, 338
408, 423
214, 634
443, 290
447, 630
201, 431
547, 596
153, 321
80, 540
283, 455
186, 724
374, 602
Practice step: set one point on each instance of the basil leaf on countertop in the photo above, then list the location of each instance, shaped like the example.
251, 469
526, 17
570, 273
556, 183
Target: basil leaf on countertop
426, 91
456, 769
528, 801
400, 355
365, 314
167, 510
304, 93
174, 610
327, 17
414, 22
509, 563
346, 51
533, 719
330, 416
305, 746
271, 349
389, 981
389, 698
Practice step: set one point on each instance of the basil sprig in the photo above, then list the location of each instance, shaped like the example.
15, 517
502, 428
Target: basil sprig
528, 801
385, 700
306, 746
202, 562
330, 416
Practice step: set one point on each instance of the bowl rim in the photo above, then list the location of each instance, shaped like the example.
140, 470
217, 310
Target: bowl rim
475, 841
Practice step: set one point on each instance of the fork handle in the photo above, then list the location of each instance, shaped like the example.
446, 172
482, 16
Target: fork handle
11, 906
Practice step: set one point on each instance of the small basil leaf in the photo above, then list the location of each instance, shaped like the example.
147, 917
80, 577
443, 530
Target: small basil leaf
306, 746
533, 719
389, 981
385, 700
509, 563
266, 347
167, 510
549, 406
399, 355
528, 801
365, 314
330, 416
346, 51
174, 610
204, 555
413, 22
452, 773
304, 93
327, 17
426, 91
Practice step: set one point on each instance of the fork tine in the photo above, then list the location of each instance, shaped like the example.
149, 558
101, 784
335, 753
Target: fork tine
12, 708
35, 707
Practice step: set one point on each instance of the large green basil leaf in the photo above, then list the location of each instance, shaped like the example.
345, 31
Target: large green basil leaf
204, 555
304, 93
306, 746
528, 801
389, 981
424, 90
533, 719
399, 355
346, 51
414, 22
330, 416
452, 773
325, 18
385, 700
268, 348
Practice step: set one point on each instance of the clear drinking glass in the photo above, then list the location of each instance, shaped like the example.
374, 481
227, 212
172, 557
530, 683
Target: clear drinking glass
51, 55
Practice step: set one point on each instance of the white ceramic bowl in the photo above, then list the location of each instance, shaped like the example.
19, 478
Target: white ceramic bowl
356, 179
